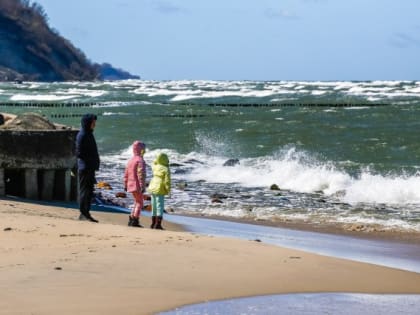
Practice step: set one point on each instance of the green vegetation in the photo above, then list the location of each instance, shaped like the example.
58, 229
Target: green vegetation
31, 50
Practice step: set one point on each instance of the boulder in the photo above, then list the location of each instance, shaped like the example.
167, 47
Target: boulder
231, 162
181, 185
218, 196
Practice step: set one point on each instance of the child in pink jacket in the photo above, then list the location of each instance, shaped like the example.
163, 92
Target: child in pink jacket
135, 181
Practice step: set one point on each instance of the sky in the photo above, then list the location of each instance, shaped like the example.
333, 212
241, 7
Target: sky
313, 40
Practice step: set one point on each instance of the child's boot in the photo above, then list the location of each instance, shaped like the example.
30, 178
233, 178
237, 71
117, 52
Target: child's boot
153, 225
130, 220
159, 223
136, 222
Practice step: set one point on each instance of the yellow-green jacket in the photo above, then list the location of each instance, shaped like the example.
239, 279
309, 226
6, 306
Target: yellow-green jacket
161, 180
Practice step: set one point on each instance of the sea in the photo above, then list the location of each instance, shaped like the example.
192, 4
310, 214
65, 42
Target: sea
343, 153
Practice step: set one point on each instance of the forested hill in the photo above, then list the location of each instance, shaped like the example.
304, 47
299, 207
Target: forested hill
31, 50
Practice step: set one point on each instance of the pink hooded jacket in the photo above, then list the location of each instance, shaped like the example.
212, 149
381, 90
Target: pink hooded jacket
135, 172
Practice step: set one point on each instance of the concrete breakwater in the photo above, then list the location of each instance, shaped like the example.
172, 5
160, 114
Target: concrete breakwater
37, 160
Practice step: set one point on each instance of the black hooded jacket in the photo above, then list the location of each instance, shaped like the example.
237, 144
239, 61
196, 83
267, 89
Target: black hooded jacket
86, 149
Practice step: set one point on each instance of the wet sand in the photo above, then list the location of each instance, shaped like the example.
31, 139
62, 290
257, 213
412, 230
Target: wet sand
51, 263
361, 231
383, 251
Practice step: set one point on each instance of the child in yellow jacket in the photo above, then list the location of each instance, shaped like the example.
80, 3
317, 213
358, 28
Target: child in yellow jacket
159, 186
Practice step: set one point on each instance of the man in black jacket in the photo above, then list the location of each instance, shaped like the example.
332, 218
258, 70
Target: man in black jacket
87, 163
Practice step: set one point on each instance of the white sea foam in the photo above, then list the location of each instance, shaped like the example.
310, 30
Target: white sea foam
373, 99
384, 189
118, 104
184, 97
415, 90
386, 223
319, 92
220, 94
34, 86
286, 171
279, 90
115, 114
295, 171
357, 107
41, 97
86, 92
389, 83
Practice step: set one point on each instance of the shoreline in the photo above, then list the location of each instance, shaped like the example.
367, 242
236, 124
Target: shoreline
409, 237
394, 254
367, 232
52, 263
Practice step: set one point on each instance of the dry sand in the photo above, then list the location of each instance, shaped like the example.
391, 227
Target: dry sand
51, 263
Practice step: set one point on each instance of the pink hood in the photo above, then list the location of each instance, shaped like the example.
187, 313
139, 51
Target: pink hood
138, 147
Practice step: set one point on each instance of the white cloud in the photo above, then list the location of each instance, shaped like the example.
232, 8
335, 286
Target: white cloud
167, 7
404, 40
280, 14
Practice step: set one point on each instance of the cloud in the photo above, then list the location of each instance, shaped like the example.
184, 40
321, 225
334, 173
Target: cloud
167, 7
280, 14
122, 5
404, 40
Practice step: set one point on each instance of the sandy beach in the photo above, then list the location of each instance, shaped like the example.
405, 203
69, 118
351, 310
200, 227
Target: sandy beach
51, 263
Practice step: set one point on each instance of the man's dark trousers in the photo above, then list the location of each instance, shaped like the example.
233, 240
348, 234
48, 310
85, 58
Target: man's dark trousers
86, 182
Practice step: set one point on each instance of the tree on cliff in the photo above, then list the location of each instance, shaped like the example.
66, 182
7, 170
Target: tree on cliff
31, 50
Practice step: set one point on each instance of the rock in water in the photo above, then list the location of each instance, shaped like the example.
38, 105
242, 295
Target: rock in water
231, 162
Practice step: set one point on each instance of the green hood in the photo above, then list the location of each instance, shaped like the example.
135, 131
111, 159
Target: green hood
160, 183
162, 159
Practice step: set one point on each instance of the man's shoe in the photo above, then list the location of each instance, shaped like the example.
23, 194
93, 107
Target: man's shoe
88, 217
92, 219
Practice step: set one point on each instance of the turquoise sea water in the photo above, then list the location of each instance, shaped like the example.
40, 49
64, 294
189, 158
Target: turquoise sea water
341, 152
